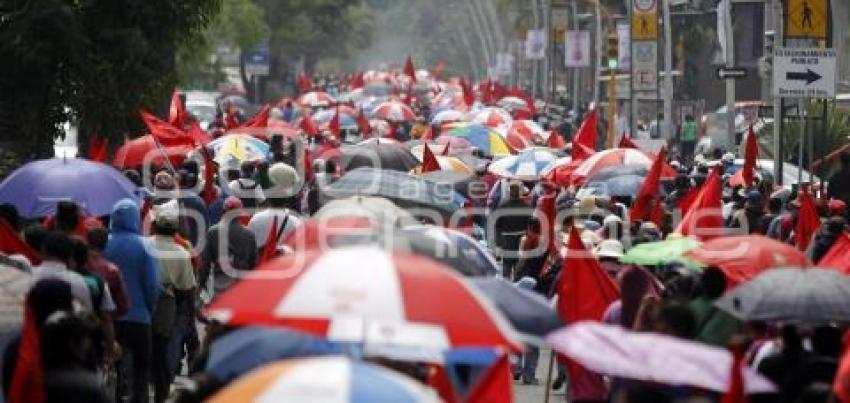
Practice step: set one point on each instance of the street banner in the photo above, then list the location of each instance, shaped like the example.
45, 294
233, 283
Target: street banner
577, 49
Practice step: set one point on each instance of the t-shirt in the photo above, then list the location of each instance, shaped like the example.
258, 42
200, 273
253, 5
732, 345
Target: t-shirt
175, 266
689, 131
261, 223
57, 270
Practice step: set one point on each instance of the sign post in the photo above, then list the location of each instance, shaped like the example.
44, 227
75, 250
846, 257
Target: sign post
257, 63
804, 73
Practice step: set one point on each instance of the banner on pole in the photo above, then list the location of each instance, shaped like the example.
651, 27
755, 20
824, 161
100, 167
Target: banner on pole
577, 49
535, 44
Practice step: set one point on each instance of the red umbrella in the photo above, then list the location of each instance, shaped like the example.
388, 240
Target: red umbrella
316, 233
614, 157
316, 98
316, 291
394, 111
743, 257
143, 150
263, 133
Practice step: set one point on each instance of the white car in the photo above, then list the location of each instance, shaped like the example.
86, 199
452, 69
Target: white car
202, 105
764, 168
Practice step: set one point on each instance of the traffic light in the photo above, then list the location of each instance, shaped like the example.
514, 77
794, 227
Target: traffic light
613, 44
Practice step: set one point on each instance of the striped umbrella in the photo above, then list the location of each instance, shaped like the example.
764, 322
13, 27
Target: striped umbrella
449, 100
447, 163
527, 165
347, 115
485, 139
497, 119
455, 144
514, 104
325, 380
315, 290
394, 111
316, 98
449, 115
615, 157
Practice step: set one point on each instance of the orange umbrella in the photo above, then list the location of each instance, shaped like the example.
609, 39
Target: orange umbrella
743, 257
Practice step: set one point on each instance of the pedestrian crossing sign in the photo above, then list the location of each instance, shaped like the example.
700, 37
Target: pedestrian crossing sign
807, 19
644, 26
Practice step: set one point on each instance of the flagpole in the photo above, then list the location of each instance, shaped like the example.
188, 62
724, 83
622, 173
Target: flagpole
549, 376
162, 152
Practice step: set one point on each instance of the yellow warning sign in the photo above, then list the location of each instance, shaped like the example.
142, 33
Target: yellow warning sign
806, 18
644, 26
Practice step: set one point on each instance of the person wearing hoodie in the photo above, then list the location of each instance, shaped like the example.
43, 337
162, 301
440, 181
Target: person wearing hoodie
128, 250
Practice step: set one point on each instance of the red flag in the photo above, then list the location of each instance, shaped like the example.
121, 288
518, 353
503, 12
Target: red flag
408, 96
736, 393
586, 133
97, 148
429, 161
439, 380
409, 70
438, 69
446, 149
495, 385
649, 189
704, 218
28, 374
580, 153
626, 142
208, 193
177, 111
260, 120
363, 124
751, 154
555, 141
657, 214
357, 81
838, 255
688, 199
468, 95
547, 214
308, 127
808, 220
333, 126
304, 82
841, 384
270, 247
164, 132
11, 243
198, 135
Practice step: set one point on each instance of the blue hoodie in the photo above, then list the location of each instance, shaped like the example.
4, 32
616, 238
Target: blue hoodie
129, 251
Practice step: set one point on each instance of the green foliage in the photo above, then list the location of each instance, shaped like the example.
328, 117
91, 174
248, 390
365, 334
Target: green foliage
95, 61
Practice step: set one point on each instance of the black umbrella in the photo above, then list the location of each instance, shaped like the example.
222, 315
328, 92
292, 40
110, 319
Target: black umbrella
458, 181
529, 313
809, 295
378, 155
453, 248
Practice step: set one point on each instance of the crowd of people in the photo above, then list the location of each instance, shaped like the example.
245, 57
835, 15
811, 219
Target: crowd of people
113, 306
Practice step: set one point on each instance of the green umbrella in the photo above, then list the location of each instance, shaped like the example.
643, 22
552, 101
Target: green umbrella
654, 253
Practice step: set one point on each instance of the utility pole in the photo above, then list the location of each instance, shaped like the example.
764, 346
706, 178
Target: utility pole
535, 65
612, 88
667, 128
778, 40
576, 70
596, 66
724, 16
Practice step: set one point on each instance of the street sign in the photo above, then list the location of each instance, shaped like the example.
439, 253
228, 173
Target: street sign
624, 51
535, 44
577, 49
644, 26
807, 19
257, 62
731, 73
645, 65
804, 73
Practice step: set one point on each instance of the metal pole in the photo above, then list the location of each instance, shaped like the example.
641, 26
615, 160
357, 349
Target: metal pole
576, 70
544, 87
667, 128
801, 115
535, 64
256, 89
632, 103
549, 376
778, 40
596, 66
730, 84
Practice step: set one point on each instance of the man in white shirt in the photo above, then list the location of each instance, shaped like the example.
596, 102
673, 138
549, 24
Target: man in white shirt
55, 257
285, 184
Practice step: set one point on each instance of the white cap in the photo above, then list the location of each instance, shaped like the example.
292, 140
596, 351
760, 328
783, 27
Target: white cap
167, 214
609, 248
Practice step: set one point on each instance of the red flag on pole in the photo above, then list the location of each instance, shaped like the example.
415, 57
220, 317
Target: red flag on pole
586, 133
468, 95
260, 120
446, 149
703, 218
363, 124
333, 126
626, 142
357, 81
555, 141
304, 82
270, 247
198, 135
208, 193
97, 148
11, 243
164, 132
306, 124
429, 161
808, 220
649, 189
177, 111
751, 154
580, 152
408, 96
409, 70
27, 384
736, 393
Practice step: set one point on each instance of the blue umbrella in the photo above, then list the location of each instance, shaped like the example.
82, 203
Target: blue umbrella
625, 185
245, 349
529, 313
346, 121
35, 188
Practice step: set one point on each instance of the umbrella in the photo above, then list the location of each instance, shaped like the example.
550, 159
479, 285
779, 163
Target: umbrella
654, 253
626, 185
378, 209
314, 290
527, 165
529, 130
250, 347
277, 127
450, 247
236, 148
560, 162
331, 232
35, 188
143, 150
384, 155
14, 286
315, 99
346, 117
743, 257
485, 139
618, 170
514, 104
612, 350
460, 182
455, 144
809, 295
449, 115
394, 111
449, 100
378, 140
529, 313
617, 157
325, 379
407, 191
497, 119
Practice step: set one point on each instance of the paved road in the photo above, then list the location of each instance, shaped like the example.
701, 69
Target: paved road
536, 394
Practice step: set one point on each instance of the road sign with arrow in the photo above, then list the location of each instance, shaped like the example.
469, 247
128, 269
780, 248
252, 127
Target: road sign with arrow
804, 73
731, 73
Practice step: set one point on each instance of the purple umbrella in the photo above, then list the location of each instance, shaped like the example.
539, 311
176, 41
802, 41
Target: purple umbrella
612, 350
35, 188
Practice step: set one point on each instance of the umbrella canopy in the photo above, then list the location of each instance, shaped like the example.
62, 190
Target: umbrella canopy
347, 116
618, 170
394, 111
485, 139
378, 209
277, 127
455, 144
612, 350
626, 185
235, 148
809, 295
527, 165
497, 119
247, 348
529, 313
325, 379
514, 104
407, 191
315, 99
383, 155
743, 257
450, 247
617, 157
449, 100
35, 188
378, 140
655, 253
312, 291
449, 115
331, 232
143, 150
528, 130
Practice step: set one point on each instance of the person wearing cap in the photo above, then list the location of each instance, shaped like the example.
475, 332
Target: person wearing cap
241, 252
246, 188
827, 234
749, 219
609, 252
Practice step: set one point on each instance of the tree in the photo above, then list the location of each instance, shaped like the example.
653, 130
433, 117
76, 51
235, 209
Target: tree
96, 62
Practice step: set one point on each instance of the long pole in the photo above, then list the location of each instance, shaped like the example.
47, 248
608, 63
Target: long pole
667, 128
730, 84
576, 70
535, 64
596, 66
549, 376
801, 142
778, 40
